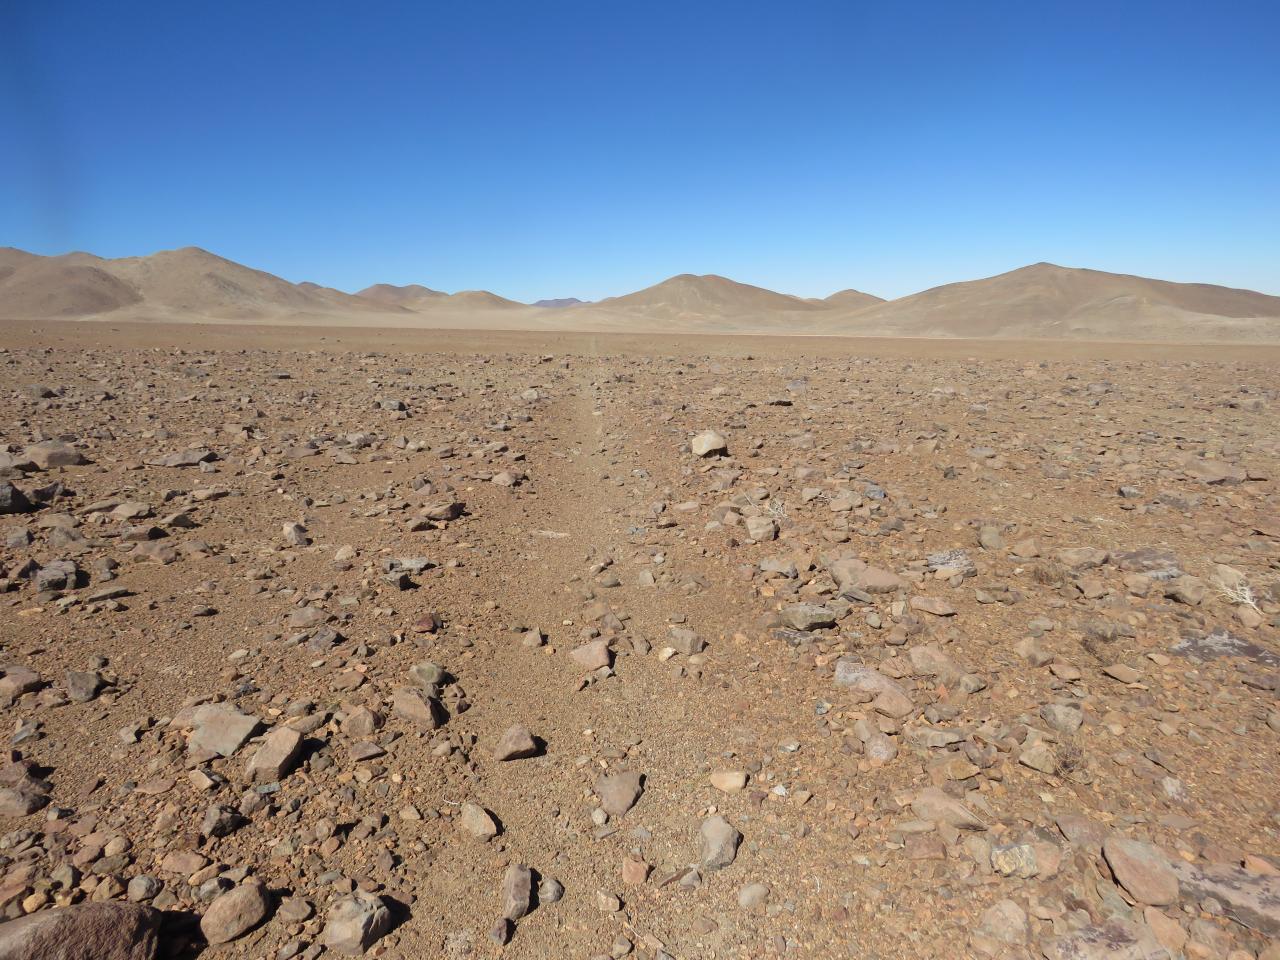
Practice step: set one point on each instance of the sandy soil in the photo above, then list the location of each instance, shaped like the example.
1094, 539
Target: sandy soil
224, 336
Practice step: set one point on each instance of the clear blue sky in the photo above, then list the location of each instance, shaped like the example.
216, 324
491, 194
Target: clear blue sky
542, 148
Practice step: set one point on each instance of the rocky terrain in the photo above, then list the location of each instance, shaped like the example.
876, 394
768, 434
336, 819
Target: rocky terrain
326, 649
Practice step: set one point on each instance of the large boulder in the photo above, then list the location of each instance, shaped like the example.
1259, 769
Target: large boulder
85, 931
236, 912
54, 453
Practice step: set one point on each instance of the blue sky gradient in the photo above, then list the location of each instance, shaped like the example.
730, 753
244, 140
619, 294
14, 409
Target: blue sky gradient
544, 149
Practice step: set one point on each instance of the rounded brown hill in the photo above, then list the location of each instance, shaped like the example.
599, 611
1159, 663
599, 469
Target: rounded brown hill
852, 299
416, 297
189, 282
688, 296
1046, 300
410, 296
71, 285
196, 281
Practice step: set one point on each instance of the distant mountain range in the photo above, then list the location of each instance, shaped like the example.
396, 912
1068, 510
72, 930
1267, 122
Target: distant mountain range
1038, 301
559, 302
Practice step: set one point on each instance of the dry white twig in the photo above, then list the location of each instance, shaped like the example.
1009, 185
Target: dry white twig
1238, 591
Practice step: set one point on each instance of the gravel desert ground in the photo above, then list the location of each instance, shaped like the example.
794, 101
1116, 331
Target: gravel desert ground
437, 644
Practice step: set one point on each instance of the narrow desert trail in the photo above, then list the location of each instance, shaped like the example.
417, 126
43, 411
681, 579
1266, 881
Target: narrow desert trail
672, 721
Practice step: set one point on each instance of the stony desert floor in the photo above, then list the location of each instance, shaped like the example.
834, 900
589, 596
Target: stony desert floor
446, 645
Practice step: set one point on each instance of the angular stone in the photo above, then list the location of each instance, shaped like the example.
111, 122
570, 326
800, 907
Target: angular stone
21, 801
928, 660
933, 605
1062, 717
1211, 472
1186, 589
934, 804
142, 888
858, 575
807, 616
83, 685
13, 500
54, 453
442, 510
707, 443
191, 457
1005, 921
277, 755
1082, 831
1082, 558
220, 729
355, 923
427, 675
593, 655
719, 843
1122, 672
762, 529
1142, 869
1039, 757
685, 641
890, 697
16, 681
933, 737
516, 743
619, 791
477, 821
728, 781
517, 891
1015, 860
220, 821
424, 712
502, 931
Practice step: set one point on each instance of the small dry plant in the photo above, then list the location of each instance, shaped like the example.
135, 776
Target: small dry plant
1238, 591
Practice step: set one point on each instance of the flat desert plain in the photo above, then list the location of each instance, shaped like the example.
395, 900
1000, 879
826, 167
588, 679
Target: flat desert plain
415, 643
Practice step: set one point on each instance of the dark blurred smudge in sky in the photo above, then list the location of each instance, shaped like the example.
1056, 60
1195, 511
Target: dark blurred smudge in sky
33, 132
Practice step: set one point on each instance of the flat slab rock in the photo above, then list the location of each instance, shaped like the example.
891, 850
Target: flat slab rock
1114, 940
808, 616
1142, 869
1251, 899
221, 728
1216, 644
